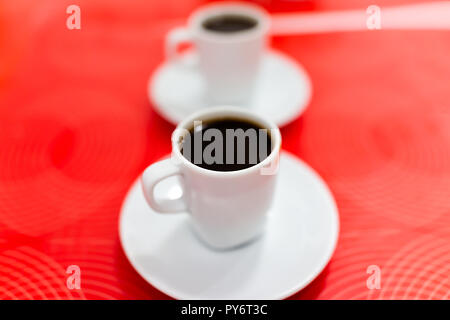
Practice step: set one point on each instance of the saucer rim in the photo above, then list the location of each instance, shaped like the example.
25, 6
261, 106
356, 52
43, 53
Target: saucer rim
332, 245
299, 110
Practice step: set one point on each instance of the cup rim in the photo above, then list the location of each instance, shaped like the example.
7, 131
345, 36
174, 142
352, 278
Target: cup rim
199, 15
213, 112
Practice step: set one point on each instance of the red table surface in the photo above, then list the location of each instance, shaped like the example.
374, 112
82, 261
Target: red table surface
76, 129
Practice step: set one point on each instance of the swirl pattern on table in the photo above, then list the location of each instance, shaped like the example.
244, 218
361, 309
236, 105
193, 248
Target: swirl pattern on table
76, 130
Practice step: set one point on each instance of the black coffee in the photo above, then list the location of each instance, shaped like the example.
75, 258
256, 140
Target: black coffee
229, 23
226, 144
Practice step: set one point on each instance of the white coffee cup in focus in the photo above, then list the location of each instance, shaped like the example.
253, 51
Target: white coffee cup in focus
227, 208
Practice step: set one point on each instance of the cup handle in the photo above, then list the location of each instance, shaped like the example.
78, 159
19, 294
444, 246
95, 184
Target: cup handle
154, 174
174, 38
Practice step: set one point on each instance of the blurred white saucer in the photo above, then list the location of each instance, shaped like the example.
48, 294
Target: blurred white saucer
283, 88
301, 235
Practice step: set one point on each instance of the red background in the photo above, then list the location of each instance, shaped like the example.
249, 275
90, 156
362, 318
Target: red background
76, 129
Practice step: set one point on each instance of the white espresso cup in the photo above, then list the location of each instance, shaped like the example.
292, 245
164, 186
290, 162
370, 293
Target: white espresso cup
228, 61
227, 208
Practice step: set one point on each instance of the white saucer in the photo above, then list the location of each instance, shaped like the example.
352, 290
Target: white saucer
300, 238
282, 92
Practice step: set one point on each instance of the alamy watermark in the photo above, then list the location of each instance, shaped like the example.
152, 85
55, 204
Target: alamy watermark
373, 21
74, 279
374, 280
74, 20
212, 146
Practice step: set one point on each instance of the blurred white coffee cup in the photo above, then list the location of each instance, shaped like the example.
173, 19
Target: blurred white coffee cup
229, 39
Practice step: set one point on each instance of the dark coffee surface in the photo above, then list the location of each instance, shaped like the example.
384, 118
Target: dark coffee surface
229, 23
241, 144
